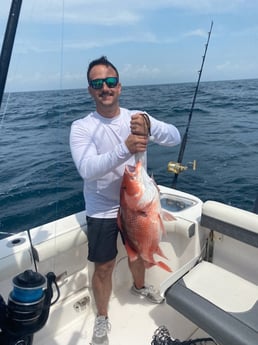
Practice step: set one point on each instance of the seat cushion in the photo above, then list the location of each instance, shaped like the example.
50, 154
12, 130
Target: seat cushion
218, 301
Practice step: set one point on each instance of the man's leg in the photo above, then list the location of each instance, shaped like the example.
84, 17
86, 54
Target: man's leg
139, 287
138, 272
102, 285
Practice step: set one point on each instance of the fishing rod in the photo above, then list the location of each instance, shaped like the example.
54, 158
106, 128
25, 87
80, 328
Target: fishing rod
6, 51
177, 167
8, 42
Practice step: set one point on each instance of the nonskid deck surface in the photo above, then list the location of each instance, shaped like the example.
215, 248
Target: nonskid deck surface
133, 321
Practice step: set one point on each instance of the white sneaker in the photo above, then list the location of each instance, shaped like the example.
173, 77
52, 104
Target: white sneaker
149, 293
101, 328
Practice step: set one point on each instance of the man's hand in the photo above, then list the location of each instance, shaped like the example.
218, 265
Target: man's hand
139, 125
136, 143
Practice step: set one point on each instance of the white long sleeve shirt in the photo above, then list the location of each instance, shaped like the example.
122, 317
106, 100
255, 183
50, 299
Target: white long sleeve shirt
100, 155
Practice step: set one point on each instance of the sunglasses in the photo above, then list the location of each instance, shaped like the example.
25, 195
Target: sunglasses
111, 82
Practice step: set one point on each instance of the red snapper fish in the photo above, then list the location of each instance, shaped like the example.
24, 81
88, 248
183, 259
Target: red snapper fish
140, 217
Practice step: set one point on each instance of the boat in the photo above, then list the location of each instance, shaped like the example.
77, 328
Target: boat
212, 291
211, 295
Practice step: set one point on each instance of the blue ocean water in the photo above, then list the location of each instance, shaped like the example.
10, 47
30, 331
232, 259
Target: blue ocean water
38, 180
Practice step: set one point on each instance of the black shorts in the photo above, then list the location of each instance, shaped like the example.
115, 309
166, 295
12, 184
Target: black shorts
102, 239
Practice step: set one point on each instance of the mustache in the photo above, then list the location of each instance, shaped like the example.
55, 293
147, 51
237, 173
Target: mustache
106, 93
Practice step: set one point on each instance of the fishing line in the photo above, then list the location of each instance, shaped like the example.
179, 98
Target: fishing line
59, 123
147, 129
5, 110
34, 252
183, 144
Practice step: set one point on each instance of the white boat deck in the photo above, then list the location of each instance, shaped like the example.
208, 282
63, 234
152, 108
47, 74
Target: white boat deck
133, 321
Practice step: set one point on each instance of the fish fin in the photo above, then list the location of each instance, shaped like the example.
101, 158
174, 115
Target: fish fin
167, 216
164, 266
160, 253
132, 255
158, 263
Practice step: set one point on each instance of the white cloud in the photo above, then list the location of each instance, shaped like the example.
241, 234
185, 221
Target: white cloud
238, 69
70, 11
105, 41
115, 12
196, 32
40, 80
227, 65
139, 71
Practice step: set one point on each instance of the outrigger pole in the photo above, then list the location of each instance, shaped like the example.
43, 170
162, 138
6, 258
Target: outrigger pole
8, 41
177, 167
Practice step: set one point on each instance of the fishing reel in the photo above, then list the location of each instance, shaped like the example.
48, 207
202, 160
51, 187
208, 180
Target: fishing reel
177, 168
28, 307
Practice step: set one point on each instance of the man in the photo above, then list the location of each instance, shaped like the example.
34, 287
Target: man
102, 144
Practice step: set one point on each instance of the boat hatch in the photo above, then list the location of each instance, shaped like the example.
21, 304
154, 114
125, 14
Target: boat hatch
175, 203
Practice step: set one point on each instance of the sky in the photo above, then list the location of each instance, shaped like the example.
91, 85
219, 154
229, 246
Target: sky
149, 41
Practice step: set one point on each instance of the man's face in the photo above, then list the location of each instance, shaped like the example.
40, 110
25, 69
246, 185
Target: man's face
106, 98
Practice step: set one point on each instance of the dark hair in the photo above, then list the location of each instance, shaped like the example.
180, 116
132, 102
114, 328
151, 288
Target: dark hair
101, 61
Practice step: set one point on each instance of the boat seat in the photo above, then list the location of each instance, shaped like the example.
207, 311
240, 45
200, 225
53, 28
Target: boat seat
220, 302
231, 221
